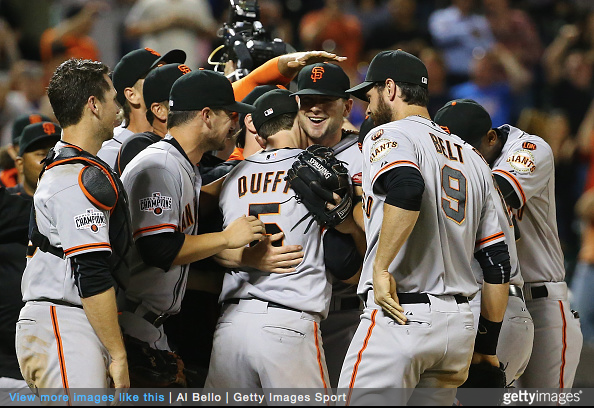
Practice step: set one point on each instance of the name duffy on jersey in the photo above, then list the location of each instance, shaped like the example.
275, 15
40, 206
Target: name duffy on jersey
92, 220
157, 203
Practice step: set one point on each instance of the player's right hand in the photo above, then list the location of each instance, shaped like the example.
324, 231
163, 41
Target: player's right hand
384, 291
118, 371
267, 258
244, 230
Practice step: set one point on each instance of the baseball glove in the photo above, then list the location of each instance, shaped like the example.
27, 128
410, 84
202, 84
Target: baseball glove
315, 176
150, 368
485, 375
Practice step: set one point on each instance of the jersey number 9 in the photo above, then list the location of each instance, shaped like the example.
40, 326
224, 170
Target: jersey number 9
453, 204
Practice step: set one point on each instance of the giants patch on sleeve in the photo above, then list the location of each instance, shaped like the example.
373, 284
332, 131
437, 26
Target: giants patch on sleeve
92, 220
156, 203
381, 149
522, 161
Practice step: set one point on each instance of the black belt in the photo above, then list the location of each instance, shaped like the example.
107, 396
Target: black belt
411, 298
345, 303
516, 291
235, 301
539, 292
155, 319
57, 302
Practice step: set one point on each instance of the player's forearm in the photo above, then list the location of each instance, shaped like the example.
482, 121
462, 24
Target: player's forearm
494, 301
229, 258
396, 228
102, 313
197, 247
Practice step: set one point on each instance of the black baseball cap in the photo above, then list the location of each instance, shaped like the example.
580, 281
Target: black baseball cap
24, 120
397, 65
158, 82
202, 88
38, 132
136, 64
255, 94
323, 79
272, 104
465, 118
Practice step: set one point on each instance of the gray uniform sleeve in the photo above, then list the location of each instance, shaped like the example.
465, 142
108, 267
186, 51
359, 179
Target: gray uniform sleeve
527, 168
390, 149
154, 196
489, 230
82, 227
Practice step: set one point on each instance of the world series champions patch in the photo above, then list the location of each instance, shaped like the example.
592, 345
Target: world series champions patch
92, 219
156, 204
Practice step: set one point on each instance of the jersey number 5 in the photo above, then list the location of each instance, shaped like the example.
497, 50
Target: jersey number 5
267, 209
453, 204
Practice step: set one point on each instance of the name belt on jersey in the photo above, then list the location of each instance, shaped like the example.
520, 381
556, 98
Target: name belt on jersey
92, 220
156, 203
320, 168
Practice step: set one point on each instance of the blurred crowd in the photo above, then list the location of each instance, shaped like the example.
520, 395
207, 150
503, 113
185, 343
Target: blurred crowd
528, 62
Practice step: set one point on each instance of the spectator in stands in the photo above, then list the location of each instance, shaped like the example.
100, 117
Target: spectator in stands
515, 30
70, 38
184, 24
460, 33
495, 77
330, 29
569, 75
398, 28
439, 92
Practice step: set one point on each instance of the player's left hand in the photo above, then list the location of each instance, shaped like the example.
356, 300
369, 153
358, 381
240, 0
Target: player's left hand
268, 258
289, 65
384, 291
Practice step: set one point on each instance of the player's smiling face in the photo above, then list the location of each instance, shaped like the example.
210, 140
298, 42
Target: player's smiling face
321, 117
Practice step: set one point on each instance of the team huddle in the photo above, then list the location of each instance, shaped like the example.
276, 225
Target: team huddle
401, 256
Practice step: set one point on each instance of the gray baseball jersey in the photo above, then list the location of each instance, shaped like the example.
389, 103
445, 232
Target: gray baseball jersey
162, 186
71, 222
257, 187
527, 163
459, 194
64, 336
110, 148
271, 318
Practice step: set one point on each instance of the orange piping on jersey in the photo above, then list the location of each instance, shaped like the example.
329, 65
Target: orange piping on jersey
319, 356
392, 165
88, 195
155, 228
490, 238
100, 245
61, 358
564, 339
515, 181
359, 356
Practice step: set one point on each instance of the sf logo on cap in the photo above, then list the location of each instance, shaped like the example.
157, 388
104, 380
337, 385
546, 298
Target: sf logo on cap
152, 51
317, 73
184, 69
49, 128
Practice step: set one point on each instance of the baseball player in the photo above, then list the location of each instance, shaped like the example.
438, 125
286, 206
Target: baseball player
517, 333
9, 177
128, 80
34, 144
271, 321
428, 210
68, 284
162, 183
523, 166
324, 105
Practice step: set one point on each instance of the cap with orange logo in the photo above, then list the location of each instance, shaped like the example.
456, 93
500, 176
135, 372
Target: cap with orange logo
136, 64
37, 132
323, 79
